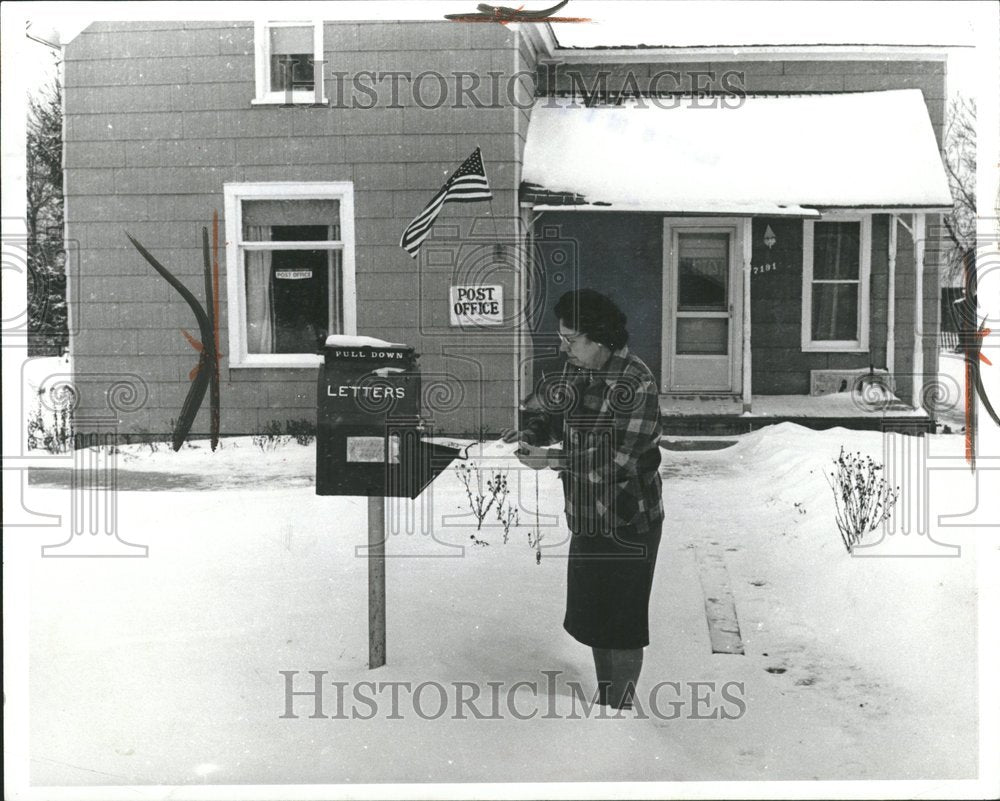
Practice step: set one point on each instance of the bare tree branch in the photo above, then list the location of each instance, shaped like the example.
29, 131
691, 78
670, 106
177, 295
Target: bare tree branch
959, 153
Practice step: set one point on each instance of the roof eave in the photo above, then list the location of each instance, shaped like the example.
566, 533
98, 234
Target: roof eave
844, 52
542, 36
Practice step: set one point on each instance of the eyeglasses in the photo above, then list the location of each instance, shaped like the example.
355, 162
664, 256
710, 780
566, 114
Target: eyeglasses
569, 340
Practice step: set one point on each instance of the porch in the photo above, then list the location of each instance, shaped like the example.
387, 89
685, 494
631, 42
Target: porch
761, 265
693, 415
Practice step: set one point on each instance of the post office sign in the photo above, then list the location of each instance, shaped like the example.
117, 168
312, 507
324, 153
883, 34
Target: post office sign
476, 304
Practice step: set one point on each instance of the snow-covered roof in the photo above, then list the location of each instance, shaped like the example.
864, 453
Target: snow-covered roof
766, 155
350, 341
680, 23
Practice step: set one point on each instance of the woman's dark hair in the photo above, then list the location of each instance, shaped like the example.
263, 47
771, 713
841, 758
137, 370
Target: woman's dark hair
595, 315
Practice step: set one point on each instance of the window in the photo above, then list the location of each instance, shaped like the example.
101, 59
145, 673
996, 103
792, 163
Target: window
289, 62
702, 294
836, 263
290, 270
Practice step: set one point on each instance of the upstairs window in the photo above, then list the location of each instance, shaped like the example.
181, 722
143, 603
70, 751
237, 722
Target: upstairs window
290, 271
289, 62
836, 263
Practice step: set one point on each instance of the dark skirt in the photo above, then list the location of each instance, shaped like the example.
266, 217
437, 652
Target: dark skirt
609, 577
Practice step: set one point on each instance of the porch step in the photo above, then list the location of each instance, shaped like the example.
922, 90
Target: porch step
699, 444
690, 425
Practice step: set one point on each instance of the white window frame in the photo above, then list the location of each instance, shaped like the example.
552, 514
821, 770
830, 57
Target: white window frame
235, 194
262, 56
860, 344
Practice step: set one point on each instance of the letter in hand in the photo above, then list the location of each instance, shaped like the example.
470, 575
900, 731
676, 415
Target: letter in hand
532, 456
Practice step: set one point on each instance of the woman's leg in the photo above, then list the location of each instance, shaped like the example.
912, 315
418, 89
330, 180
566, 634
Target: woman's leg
626, 665
602, 666
617, 675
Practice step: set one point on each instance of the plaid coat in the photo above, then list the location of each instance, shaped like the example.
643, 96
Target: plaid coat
609, 425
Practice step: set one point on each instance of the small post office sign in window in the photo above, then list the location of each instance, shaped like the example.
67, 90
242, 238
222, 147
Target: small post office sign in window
477, 304
290, 258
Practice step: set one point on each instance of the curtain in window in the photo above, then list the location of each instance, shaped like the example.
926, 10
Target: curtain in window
836, 258
260, 299
835, 312
336, 290
291, 58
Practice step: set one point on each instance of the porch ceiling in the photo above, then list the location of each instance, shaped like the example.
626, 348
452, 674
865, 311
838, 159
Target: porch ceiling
778, 155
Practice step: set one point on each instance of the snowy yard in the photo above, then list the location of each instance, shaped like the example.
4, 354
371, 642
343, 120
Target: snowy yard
165, 669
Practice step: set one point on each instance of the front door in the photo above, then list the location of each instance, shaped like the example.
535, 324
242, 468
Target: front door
702, 336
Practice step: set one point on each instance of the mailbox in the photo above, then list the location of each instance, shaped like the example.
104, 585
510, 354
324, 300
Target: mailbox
370, 438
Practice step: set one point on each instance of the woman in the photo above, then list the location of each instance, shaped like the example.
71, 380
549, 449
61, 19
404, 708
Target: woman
605, 409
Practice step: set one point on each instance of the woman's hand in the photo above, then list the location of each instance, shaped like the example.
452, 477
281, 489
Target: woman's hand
531, 456
509, 434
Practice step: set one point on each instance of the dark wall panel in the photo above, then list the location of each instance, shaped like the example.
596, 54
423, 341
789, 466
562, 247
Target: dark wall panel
620, 255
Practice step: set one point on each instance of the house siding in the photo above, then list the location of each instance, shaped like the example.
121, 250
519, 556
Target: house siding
615, 253
159, 117
778, 364
612, 247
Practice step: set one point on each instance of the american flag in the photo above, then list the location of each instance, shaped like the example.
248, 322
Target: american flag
467, 184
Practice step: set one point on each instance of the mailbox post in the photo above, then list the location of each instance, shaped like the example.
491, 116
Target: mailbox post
376, 581
371, 442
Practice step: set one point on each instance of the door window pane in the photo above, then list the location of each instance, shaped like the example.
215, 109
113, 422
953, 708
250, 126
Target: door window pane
835, 312
704, 336
703, 272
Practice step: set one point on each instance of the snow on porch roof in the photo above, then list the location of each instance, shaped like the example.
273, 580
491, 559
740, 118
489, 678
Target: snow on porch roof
781, 155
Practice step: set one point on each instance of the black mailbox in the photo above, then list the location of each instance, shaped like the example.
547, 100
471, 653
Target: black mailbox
370, 439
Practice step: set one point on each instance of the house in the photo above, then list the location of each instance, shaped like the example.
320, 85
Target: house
766, 216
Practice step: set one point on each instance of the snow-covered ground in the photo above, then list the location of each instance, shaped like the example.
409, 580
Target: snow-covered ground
167, 669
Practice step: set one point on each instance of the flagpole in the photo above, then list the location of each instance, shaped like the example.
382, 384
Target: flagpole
498, 248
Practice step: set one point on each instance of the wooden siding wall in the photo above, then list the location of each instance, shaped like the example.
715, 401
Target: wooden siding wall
779, 365
159, 116
622, 255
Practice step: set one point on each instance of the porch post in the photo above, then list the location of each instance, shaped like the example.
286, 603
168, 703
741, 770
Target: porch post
747, 251
522, 236
890, 335
919, 220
